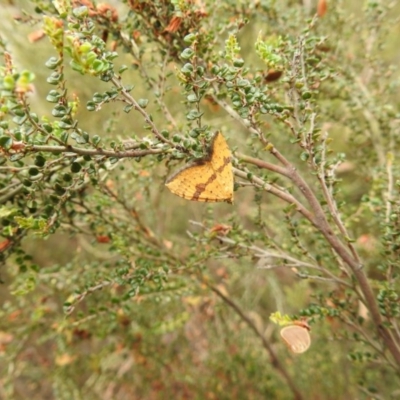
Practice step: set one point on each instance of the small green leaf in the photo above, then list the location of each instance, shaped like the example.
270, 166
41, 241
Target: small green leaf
122, 69
53, 96
90, 106
55, 78
53, 62
59, 189
99, 66
85, 47
176, 139
194, 114
76, 67
96, 140
80, 12
47, 127
304, 156
187, 69
192, 98
20, 120
98, 97
33, 171
75, 167
143, 103
67, 177
190, 38
238, 62
64, 136
243, 83
215, 69
40, 161
85, 136
187, 54
128, 108
59, 111
8, 82
6, 142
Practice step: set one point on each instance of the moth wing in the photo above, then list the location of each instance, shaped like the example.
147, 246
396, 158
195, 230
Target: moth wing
297, 338
207, 180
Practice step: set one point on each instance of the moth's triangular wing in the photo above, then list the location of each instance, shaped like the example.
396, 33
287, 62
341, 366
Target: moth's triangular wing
296, 337
210, 179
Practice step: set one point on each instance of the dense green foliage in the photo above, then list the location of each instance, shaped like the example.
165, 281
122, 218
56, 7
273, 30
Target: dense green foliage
112, 287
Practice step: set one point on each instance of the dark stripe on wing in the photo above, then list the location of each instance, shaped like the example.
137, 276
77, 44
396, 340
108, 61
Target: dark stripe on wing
201, 187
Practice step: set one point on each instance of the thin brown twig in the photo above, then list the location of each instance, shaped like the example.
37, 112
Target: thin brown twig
333, 207
83, 295
274, 359
276, 192
93, 152
117, 82
262, 164
132, 212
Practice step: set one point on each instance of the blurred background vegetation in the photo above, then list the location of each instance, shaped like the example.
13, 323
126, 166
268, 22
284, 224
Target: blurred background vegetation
112, 287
